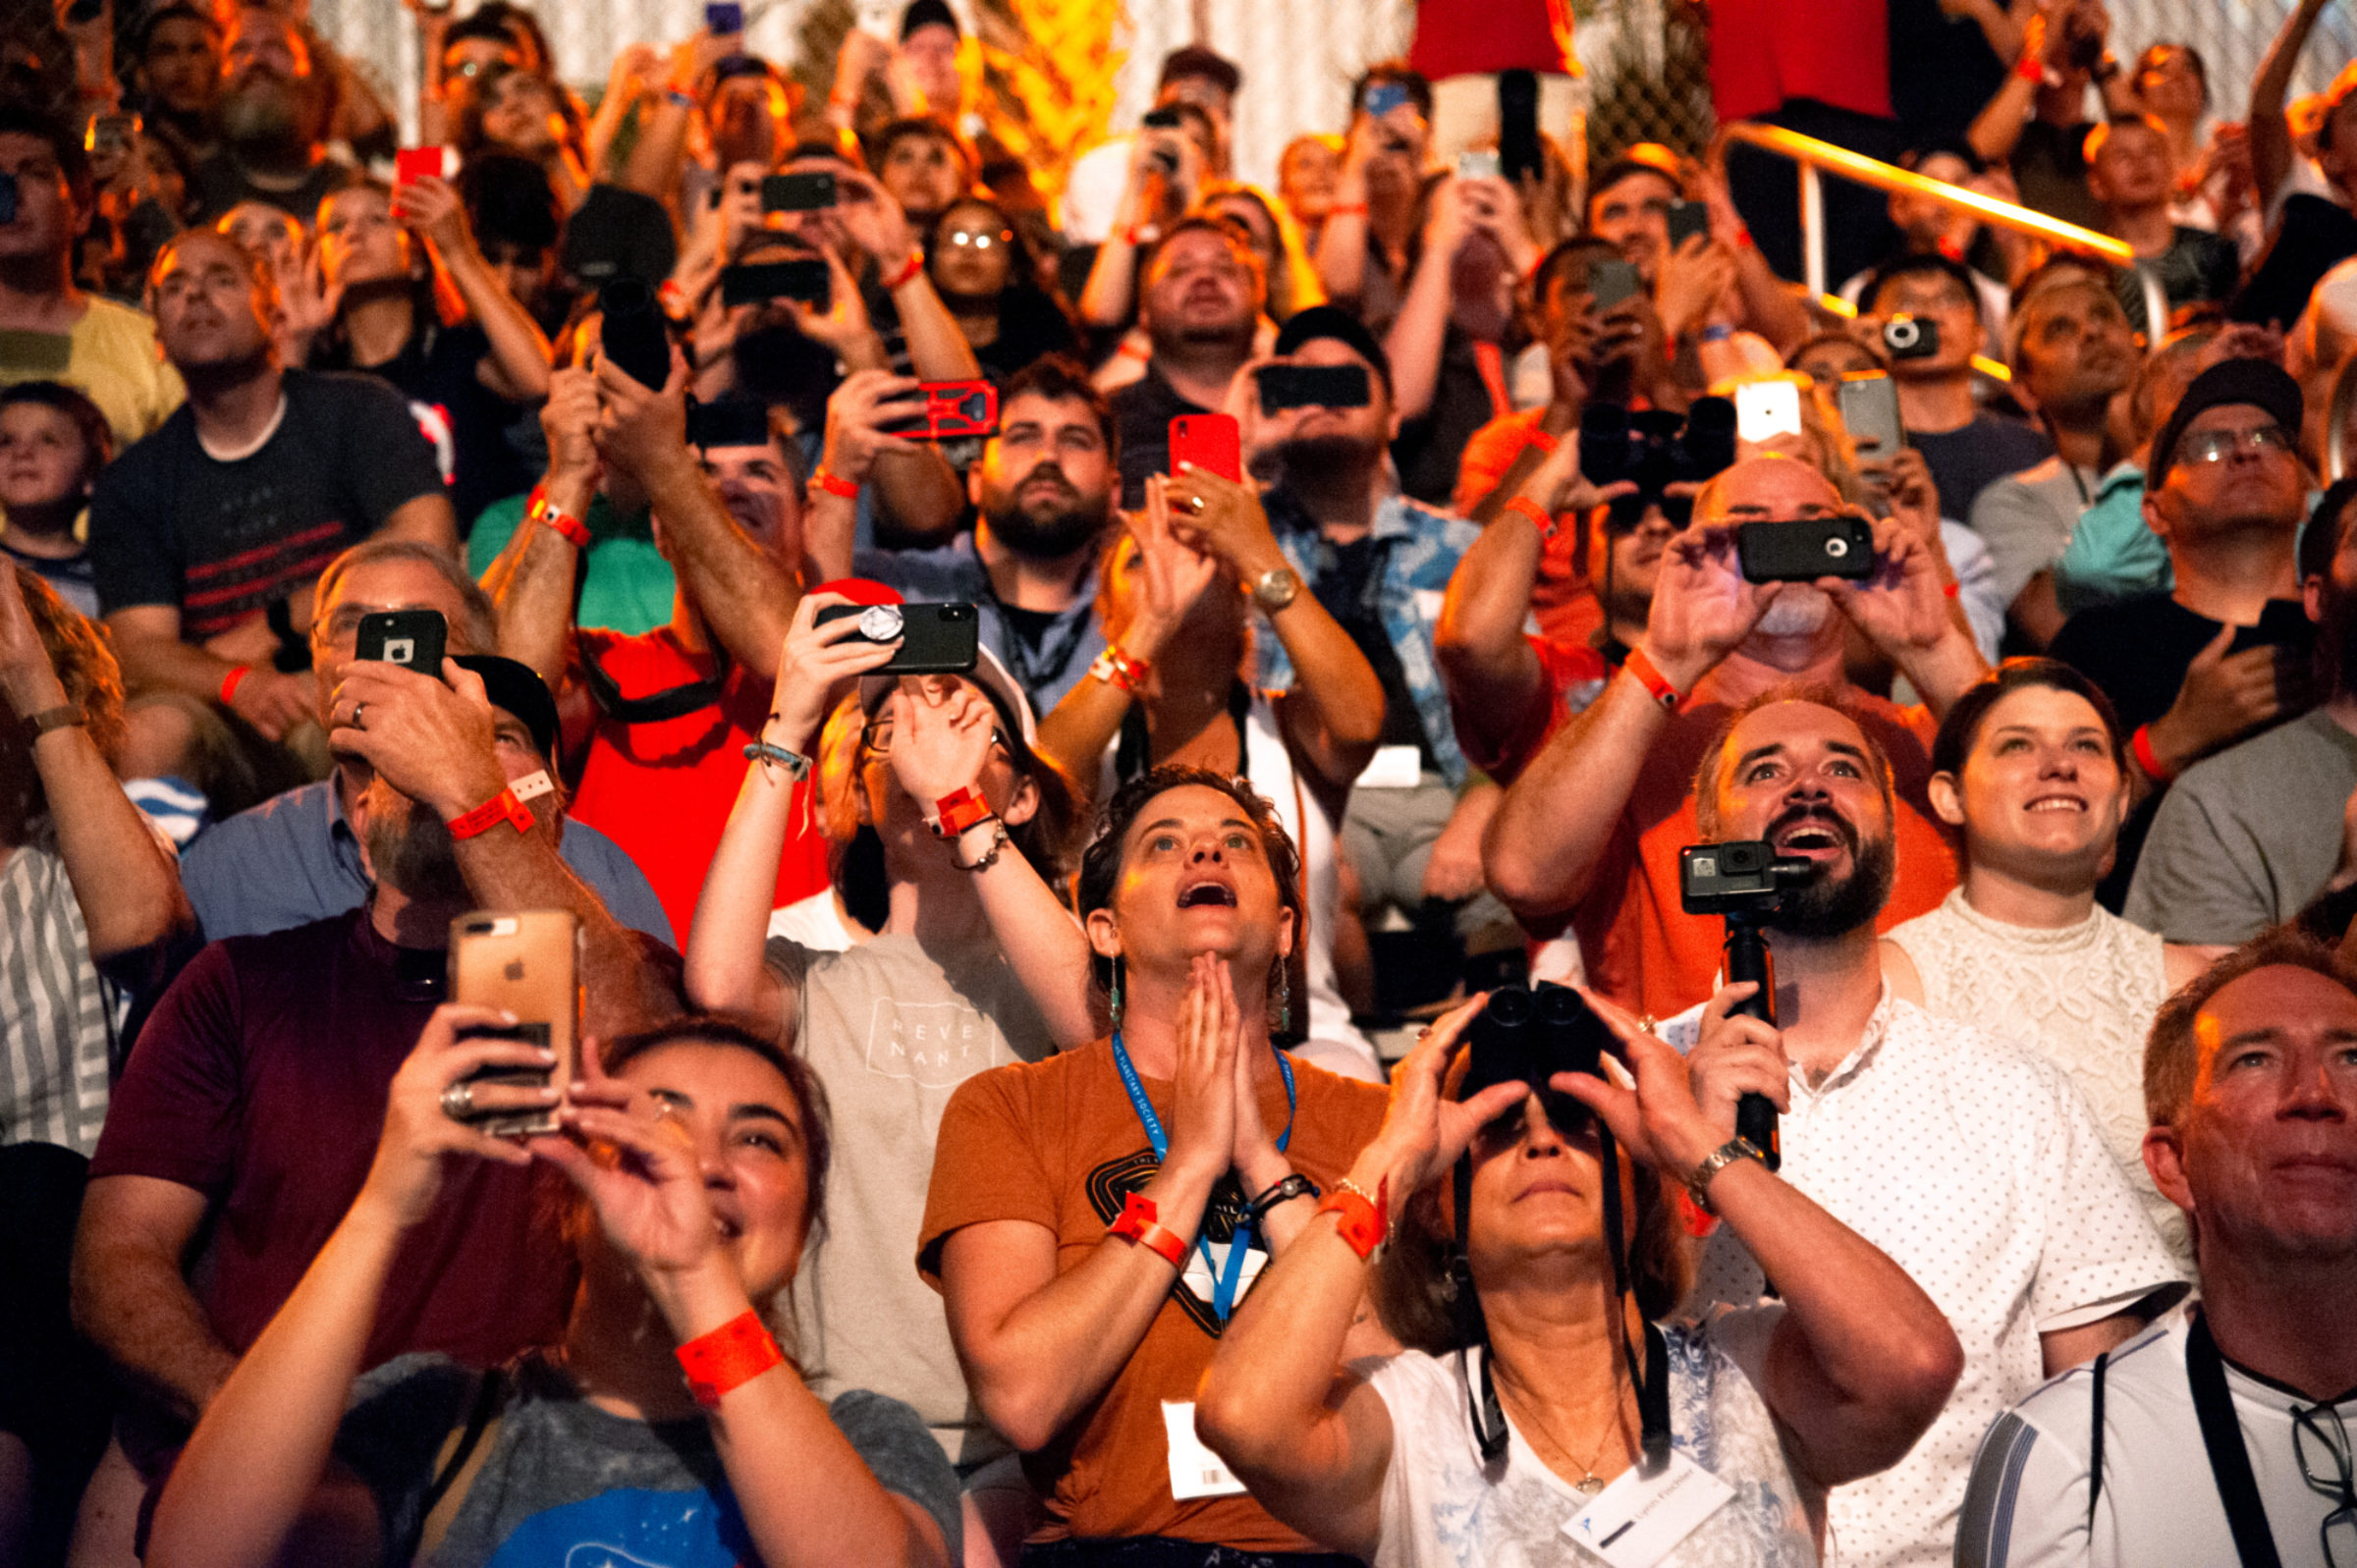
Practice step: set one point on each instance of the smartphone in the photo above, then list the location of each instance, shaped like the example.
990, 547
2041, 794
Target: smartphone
1284, 387
1385, 96
750, 283
1611, 282
414, 638
936, 638
529, 963
412, 164
1166, 118
1805, 549
1869, 405
1479, 164
1911, 338
724, 17
1686, 220
1520, 155
728, 423
1766, 410
952, 410
632, 333
1209, 441
812, 190
112, 133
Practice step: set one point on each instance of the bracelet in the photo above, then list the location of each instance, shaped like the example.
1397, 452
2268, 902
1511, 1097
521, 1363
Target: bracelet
1523, 506
1347, 209
2141, 743
1360, 1219
64, 716
1718, 333
230, 682
835, 485
727, 1357
678, 99
1542, 440
765, 752
990, 856
502, 807
957, 811
2030, 67
567, 526
1294, 1186
1650, 677
1116, 667
906, 274
1698, 1185
1137, 1222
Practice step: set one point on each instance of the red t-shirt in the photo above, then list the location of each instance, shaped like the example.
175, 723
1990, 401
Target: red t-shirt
663, 791
1765, 53
1563, 599
1458, 40
1642, 948
1501, 744
261, 1082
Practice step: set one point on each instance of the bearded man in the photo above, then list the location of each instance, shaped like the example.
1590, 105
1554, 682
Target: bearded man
272, 116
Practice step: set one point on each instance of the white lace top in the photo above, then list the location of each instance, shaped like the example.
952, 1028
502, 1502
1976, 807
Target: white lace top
2082, 997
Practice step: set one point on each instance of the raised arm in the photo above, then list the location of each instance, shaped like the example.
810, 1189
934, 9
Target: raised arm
1905, 612
1419, 332
517, 368
532, 581
2271, 144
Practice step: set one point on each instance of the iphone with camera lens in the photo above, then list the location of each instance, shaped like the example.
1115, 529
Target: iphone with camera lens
935, 638
411, 638
1805, 549
528, 962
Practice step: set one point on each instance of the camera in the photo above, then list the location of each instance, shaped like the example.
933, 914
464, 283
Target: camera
1911, 338
1742, 876
1654, 448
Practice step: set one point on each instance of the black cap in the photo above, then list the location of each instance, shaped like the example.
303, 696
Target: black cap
2260, 383
619, 233
928, 13
513, 688
1196, 61
1333, 322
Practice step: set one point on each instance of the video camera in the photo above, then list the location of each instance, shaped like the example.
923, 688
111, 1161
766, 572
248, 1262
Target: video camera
1655, 449
1743, 882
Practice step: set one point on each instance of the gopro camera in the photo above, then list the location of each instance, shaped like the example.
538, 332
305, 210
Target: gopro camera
1741, 877
1911, 338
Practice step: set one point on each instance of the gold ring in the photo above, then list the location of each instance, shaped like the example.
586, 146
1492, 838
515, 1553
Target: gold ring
1194, 505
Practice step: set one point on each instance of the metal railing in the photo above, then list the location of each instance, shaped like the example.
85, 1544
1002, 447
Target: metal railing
1814, 159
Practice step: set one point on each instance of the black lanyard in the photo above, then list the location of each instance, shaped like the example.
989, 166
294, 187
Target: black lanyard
676, 702
2229, 1458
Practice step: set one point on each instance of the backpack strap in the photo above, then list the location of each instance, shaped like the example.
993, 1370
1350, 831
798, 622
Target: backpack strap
461, 1459
2094, 1444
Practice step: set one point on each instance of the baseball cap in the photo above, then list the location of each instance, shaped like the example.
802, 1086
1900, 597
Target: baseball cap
1333, 322
515, 688
2260, 383
1194, 60
928, 13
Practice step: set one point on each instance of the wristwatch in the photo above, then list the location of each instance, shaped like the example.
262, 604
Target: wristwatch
64, 716
1275, 588
1698, 1185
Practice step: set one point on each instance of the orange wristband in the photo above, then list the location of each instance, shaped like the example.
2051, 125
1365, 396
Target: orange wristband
1347, 209
1116, 667
506, 806
1523, 506
906, 274
959, 810
230, 682
1360, 1221
2141, 743
729, 1356
843, 489
567, 526
1540, 439
1137, 1224
1650, 677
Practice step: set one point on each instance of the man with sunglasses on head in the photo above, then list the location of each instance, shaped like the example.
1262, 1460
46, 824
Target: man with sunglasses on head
2220, 1433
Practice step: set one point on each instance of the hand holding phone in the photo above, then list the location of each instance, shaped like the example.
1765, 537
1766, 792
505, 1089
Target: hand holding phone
935, 638
1287, 386
1210, 442
1805, 549
951, 410
527, 963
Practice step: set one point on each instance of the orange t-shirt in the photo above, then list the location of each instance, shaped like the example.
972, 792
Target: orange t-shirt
1057, 1143
1564, 600
1642, 949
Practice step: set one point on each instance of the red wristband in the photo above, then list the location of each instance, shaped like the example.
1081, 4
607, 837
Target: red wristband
1347, 209
566, 525
1359, 1221
2141, 743
906, 273
1650, 677
506, 806
959, 810
1954, 590
1523, 506
832, 485
2030, 67
729, 1356
1542, 440
1137, 1224
230, 682
1116, 667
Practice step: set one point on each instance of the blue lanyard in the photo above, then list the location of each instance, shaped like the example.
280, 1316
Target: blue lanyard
1240, 1242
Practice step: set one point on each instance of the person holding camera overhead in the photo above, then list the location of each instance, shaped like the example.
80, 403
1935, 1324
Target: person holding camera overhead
1970, 1161
1550, 1308
1588, 835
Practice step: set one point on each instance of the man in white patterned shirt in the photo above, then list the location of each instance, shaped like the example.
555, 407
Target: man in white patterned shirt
1970, 1162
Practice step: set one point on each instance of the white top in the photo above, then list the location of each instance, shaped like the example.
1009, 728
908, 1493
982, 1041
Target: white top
2028, 1503
1092, 190
1442, 1510
2082, 997
1976, 1167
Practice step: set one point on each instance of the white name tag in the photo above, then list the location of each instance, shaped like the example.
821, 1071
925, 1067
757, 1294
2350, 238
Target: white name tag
1634, 1522
1392, 767
1195, 1470
1199, 1278
1428, 605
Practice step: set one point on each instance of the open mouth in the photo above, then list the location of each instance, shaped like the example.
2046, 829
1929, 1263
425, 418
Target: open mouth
1212, 895
1811, 837
727, 1228
2056, 803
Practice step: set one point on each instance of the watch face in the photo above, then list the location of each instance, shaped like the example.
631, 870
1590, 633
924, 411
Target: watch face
880, 623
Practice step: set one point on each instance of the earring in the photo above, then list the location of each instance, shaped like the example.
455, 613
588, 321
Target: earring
1115, 1007
1284, 1000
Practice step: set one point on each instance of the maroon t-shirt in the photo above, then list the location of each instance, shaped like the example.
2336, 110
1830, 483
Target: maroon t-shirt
261, 1082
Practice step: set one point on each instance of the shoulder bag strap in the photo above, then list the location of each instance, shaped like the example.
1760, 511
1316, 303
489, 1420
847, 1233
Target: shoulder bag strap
2230, 1459
2095, 1443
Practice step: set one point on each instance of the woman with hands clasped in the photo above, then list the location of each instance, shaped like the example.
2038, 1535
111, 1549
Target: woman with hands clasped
1774, 1404
666, 1426
974, 965
1095, 1218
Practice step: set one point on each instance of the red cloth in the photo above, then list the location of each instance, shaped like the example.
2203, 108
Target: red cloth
663, 791
1764, 53
261, 1082
1457, 40
1564, 598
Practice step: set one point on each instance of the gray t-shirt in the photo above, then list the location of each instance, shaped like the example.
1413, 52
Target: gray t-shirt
892, 1029
563, 1475
2247, 837
2027, 519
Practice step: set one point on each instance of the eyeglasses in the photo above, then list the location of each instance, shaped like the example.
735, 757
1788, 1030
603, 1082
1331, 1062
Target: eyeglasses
2215, 446
2323, 1443
877, 737
963, 237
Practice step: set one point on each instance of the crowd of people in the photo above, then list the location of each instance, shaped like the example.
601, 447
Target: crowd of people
1126, 800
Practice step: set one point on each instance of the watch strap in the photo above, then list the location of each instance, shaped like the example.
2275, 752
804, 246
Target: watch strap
1275, 588
1698, 1185
64, 716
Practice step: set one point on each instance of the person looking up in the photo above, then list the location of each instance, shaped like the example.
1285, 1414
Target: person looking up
53, 441
1200, 306
2132, 170
273, 114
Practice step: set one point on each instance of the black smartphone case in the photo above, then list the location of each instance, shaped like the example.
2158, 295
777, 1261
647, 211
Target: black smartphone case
1805, 549
411, 638
935, 638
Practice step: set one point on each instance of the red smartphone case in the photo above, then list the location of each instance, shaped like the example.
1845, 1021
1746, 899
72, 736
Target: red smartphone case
1209, 441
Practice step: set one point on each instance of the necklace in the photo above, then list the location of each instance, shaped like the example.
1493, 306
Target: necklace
1589, 1483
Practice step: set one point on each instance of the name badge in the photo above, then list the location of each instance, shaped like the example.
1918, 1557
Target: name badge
1195, 1470
1634, 1522
1392, 767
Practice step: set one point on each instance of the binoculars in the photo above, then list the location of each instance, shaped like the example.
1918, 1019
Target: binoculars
1528, 1037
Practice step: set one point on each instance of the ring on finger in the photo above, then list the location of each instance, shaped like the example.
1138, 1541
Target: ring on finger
458, 1101
1194, 505
358, 709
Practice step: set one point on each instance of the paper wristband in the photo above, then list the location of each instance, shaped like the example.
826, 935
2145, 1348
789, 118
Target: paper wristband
1542, 440
563, 524
1651, 678
1116, 667
960, 811
503, 807
532, 785
906, 274
729, 1356
1523, 506
2141, 743
230, 682
841, 489
1137, 1224
1357, 1221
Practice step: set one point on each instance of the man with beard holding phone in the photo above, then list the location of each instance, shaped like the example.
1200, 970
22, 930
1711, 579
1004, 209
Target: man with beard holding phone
1044, 493
1973, 1164
1588, 836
